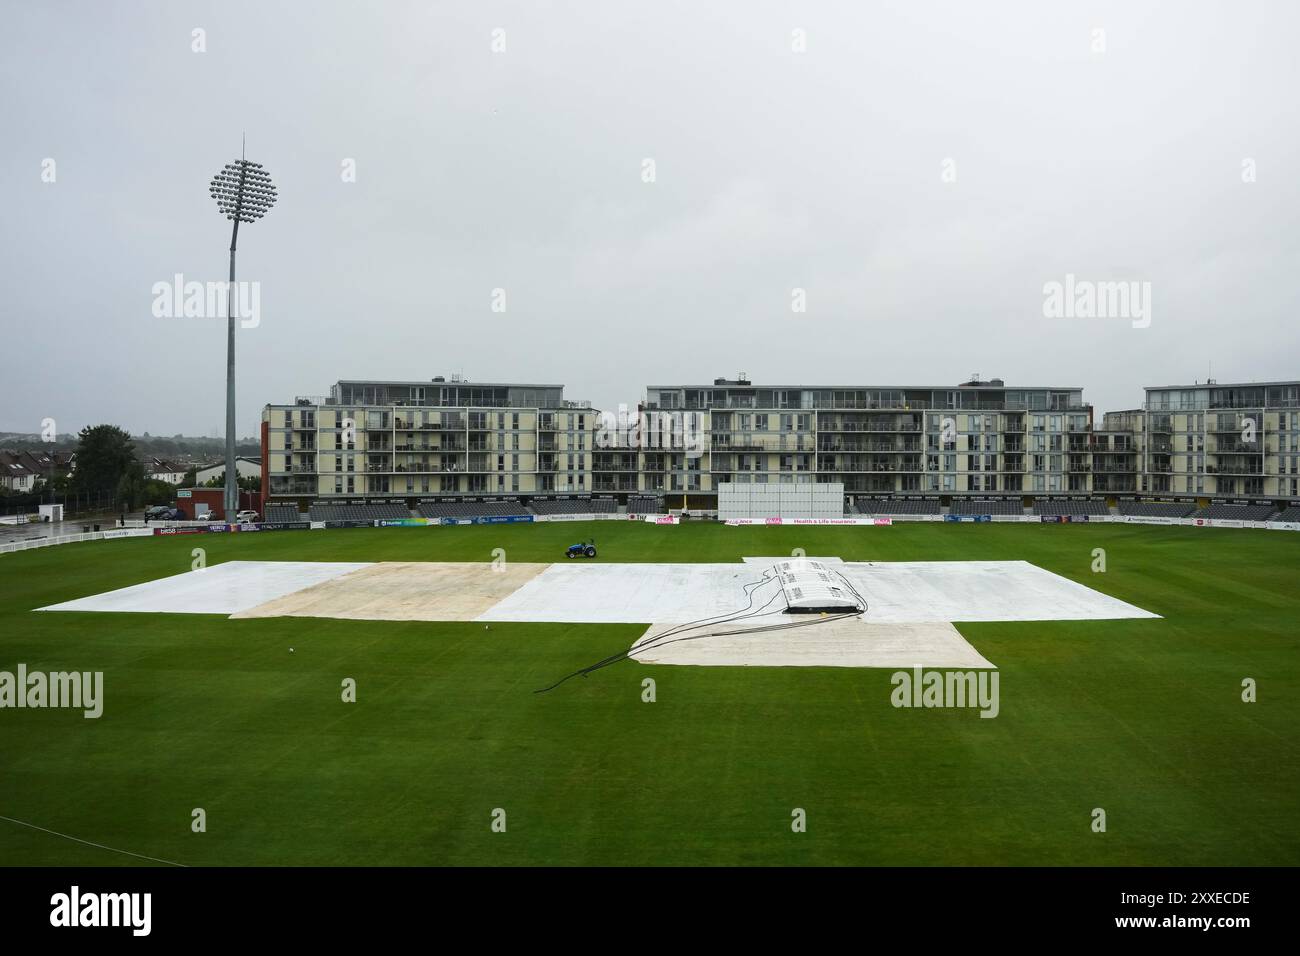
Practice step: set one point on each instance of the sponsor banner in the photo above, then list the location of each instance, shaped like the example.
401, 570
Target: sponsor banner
185, 530
853, 521
1282, 525
502, 519
184, 493
402, 523
570, 517
1222, 523
454, 521
218, 527
349, 524
286, 525
317, 525
248, 526
860, 522
968, 518
662, 519
1062, 519
1144, 519
128, 532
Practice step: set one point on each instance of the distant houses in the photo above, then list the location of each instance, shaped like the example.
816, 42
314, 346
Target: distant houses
244, 468
17, 474
20, 470
159, 469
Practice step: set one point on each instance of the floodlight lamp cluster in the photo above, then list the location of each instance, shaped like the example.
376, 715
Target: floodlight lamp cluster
243, 191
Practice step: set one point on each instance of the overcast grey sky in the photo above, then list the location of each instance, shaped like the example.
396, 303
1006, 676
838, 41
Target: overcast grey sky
522, 169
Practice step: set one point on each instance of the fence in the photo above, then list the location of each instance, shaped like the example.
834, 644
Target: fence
193, 527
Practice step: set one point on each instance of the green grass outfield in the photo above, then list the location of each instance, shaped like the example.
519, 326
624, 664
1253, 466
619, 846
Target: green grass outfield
1143, 718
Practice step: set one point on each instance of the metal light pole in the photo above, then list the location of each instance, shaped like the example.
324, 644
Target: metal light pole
244, 193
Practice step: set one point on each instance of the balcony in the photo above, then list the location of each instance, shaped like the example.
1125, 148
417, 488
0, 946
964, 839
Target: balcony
1238, 447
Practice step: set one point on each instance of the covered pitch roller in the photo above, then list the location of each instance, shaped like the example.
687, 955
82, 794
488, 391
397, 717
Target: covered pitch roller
811, 586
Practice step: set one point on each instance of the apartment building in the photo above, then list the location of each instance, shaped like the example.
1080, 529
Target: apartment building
442, 437
1216, 440
448, 438
976, 439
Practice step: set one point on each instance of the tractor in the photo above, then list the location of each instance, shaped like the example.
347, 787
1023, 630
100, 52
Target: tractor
581, 550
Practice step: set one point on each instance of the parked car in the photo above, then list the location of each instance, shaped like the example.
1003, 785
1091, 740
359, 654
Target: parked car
246, 515
154, 512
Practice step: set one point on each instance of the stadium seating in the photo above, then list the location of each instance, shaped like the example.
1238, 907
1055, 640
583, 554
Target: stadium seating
1289, 514
643, 505
283, 513
328, 512
986, 506
1236, 512
1156, 509
1071, 508
573, 506
503, 508
887, 506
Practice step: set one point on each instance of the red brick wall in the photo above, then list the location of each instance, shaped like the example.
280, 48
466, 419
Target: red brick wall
211, 499
266, 462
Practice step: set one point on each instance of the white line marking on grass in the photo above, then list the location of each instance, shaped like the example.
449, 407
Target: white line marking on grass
100, 846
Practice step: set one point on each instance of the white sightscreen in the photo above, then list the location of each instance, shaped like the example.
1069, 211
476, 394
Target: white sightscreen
800, 500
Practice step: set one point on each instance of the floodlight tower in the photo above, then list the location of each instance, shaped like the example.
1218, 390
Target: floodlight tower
244, 193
